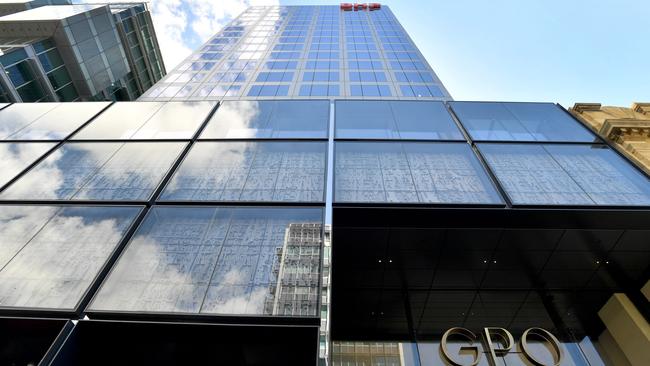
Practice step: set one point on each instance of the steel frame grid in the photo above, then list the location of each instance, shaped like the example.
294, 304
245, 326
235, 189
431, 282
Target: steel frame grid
82, 308
80, 311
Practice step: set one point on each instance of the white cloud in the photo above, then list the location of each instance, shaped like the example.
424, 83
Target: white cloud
170, 20
182, 25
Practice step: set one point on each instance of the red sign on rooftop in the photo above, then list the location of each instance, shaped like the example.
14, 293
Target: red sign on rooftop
360, 6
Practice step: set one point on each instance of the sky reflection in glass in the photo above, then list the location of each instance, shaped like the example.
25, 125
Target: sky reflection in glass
45, 121
491, 121
251, 171
147, 120
218, 260
15, 157
566, 175
410, 172
50, 255
269, 119
97, 171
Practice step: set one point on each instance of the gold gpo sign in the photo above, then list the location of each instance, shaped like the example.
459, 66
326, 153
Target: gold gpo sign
491, 335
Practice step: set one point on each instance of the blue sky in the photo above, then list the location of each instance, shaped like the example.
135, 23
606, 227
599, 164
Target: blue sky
527, 50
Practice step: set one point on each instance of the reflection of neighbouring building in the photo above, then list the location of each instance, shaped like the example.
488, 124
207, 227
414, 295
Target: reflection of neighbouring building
627, 128
367, 353
296, 290
78, 52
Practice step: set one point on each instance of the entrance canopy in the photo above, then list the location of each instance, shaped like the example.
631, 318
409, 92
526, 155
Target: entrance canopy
404, 272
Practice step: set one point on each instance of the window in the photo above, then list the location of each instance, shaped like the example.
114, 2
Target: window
363, 55
45, 121
420, 91
148, 120
414, 77
320, 65
547, 174
244, 171
324, 47
367, 76
288, 47
408, 65
410, 173
284, 55
59, 78
219, 260
263, 77
370, 90
281, 65
323, 55
367, 65
395, 120
319, 90
320, 76
519, 122
268, 91
51, 255
97, 171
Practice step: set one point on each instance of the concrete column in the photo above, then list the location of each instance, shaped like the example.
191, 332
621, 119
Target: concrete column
628, 329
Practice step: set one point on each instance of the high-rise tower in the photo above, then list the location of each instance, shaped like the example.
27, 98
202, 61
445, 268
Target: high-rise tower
305, 52
302, 190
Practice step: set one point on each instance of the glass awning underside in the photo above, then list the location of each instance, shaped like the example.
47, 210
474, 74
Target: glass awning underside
404, 271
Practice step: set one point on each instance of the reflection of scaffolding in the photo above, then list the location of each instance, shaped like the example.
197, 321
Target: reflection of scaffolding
367, 353
297, 271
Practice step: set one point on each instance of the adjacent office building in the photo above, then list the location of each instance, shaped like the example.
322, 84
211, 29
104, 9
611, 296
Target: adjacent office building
62, 53
303, 190
15, 6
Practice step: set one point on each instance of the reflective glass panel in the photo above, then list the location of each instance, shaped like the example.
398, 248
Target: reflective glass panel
97, 171
269, 119
45, 121
50, 255
566, 175
251, 171
15, 157
410, 172
395, 120
519, 122
147, 120
217, 260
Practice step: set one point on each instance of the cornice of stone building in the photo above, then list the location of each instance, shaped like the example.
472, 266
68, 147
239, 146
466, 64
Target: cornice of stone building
627, 128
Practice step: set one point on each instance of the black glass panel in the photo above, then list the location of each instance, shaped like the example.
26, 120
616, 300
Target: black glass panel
110, 343
25, 341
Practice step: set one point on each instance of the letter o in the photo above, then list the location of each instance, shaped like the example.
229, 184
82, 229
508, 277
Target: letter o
548, 337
